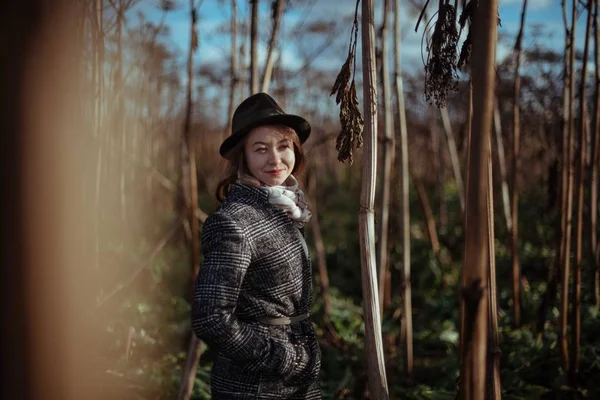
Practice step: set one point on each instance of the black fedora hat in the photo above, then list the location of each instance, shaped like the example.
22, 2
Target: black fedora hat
260, 109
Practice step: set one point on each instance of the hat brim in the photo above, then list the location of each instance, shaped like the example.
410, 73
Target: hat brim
297, 123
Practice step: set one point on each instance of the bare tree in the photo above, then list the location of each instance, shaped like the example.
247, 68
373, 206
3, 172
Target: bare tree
476, 269
277, 15
254, 47
373, 339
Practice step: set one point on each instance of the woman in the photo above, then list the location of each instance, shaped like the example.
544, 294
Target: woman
253, 294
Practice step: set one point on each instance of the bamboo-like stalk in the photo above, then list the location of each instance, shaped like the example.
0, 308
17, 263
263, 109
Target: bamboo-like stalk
476, 270
502, 165
461, 346
193, 356
272, 45
594, 251
460, 189
254, 47
494, 386
373, 339
388, 155
568, 206
576, 311
516, 164
407, 328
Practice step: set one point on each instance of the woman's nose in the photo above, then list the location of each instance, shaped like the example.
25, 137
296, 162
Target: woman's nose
274, 157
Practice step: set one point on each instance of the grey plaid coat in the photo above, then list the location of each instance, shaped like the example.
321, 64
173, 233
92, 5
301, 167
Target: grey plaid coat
256, 264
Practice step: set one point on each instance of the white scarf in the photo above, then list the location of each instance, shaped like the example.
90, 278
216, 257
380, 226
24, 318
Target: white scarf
288, 197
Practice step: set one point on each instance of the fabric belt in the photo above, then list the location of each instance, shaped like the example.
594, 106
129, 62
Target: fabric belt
282, 320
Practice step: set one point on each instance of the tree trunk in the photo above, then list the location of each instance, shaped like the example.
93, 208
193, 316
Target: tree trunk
193, 357
460, 189
407, 328
476, 270
373, 340
388, 155
234, 66
576, 316
254, 47
568, 205
272, 45
502, 165
594, 251
516, 264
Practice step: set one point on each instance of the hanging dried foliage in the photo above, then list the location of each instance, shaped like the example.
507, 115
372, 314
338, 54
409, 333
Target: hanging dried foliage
442, 61
440, 71
351, 120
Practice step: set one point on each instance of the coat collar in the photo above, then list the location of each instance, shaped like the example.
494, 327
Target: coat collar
246, 194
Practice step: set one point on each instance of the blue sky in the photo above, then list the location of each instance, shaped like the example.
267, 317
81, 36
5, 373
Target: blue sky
544, 16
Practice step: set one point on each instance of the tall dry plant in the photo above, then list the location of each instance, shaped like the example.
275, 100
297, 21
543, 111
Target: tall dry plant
493, 387
576, 310
516, 146
502, 165
460, 189
373, 340
193, 355
567, 205
476, 268
594, 249
407, 327
388, 160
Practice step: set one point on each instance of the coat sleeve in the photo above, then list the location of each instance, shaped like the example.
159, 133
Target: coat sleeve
226, 259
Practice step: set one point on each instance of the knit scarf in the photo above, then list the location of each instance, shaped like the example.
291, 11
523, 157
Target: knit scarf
287, 197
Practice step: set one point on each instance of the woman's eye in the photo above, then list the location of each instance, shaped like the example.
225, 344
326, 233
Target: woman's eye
285, 146
261, 150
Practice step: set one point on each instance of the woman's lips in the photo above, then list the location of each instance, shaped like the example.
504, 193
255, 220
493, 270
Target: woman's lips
275, 173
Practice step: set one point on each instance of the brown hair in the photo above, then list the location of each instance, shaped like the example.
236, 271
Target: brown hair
236, 162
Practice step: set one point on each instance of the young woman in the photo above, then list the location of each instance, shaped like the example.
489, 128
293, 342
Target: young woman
253, 294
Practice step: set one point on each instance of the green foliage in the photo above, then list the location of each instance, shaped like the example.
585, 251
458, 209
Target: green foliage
530, 365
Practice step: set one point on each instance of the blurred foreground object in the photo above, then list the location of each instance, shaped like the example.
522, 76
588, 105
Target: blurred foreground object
47, 305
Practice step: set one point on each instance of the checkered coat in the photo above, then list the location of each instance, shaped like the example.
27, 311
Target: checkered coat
256, 264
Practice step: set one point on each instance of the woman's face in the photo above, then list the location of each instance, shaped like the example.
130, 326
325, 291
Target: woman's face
269, 154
